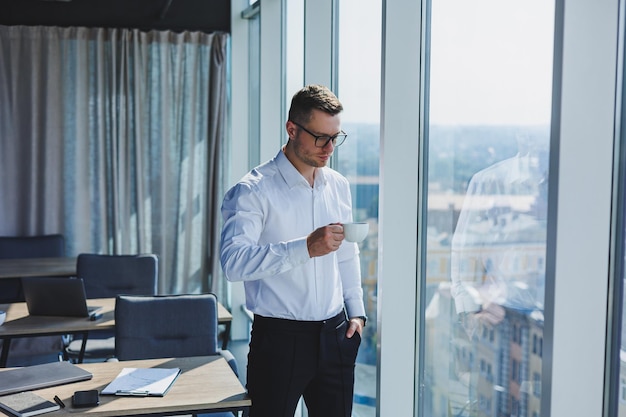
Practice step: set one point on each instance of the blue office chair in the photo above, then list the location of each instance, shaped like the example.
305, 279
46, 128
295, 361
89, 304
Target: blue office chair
164, 326
107, 276
26, 247
33, 350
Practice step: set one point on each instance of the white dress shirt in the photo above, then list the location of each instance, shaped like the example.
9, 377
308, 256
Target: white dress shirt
267, 218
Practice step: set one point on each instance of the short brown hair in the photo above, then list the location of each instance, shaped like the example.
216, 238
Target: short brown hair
312, 97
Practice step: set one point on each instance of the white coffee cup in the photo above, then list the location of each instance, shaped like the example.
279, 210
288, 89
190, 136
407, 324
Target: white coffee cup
355, 232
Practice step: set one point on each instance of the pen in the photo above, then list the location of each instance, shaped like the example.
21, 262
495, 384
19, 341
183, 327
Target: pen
58, 401
134, 393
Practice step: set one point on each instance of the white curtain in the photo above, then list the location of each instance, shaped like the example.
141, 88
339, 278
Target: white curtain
113, 137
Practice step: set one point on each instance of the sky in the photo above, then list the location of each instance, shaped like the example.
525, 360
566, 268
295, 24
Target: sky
491, 61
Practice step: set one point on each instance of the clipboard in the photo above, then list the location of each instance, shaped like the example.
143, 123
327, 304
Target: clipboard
142, 382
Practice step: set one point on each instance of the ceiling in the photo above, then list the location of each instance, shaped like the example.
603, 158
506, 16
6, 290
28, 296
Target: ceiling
177, 15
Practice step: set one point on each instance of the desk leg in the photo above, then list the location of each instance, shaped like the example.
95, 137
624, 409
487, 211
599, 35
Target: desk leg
83, 345
4, 357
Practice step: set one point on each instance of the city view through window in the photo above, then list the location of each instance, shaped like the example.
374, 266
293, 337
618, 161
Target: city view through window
488, 123
488, 118
360, 28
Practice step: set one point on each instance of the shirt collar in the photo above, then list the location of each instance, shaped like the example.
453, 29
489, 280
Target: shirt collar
292, 176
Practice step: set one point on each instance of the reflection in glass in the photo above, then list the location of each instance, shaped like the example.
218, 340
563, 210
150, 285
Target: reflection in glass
489, 114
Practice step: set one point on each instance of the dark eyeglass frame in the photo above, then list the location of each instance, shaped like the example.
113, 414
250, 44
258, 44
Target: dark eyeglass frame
337, 140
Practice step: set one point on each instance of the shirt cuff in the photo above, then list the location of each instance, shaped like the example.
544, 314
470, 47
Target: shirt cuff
355, 308
298, 251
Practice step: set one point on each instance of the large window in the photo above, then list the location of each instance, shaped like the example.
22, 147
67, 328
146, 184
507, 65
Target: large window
358, 159
488, 133
486, 90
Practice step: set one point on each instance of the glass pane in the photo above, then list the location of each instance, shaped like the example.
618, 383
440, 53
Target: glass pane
358, 159
488, 135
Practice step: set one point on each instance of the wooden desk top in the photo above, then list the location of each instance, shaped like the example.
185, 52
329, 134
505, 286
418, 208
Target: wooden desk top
19, 323
37, 267
205, 384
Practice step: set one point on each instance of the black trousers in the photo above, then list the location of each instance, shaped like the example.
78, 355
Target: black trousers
290, 359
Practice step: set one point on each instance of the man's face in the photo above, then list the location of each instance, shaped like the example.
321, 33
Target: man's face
303, 142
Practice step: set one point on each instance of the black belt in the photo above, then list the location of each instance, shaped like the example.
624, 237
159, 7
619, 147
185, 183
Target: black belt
299, 325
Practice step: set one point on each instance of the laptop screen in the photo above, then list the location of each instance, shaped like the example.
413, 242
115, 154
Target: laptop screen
55, 296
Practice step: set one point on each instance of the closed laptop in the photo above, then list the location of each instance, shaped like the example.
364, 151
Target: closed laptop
40, 376
56, 297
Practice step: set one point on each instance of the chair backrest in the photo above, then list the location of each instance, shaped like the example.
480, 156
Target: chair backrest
21, 247
112, 275
163, 326
43, 246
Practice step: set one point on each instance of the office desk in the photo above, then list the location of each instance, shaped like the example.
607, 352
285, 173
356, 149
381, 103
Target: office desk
205, 384
60, 267
19, 324
38, 267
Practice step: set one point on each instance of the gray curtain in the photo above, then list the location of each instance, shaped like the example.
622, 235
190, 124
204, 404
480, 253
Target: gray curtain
113, 137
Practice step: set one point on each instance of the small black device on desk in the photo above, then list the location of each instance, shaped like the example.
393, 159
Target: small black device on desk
88, 398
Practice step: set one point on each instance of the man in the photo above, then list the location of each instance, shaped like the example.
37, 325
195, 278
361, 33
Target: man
283, 238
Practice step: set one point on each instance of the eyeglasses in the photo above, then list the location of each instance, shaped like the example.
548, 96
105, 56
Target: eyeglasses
322, 140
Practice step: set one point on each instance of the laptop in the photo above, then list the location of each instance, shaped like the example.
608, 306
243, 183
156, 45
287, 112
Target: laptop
33, 377
56, 297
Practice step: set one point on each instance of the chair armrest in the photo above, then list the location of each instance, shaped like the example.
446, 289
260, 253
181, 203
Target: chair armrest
226, 354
